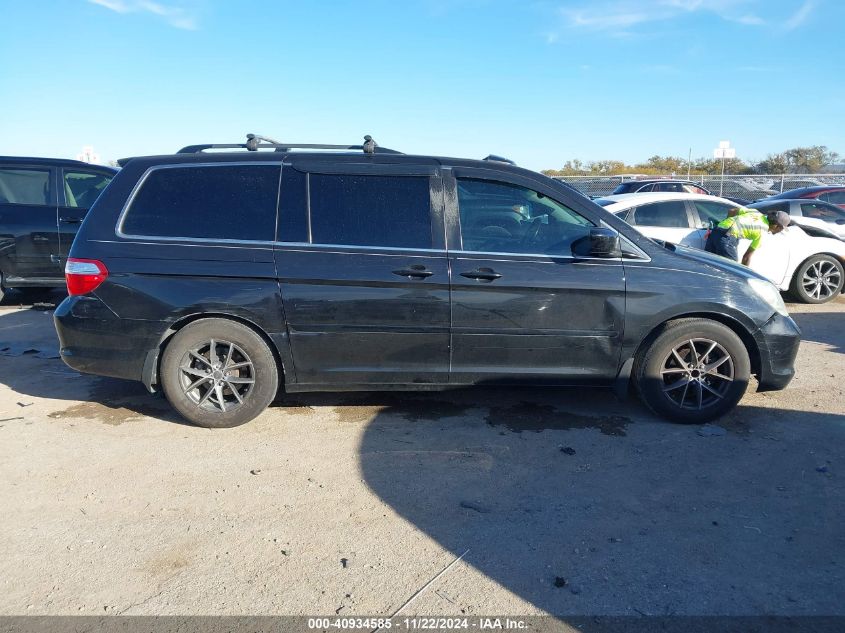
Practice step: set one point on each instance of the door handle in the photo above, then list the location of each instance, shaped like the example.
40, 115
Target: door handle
485, 274
71, 220
416, 270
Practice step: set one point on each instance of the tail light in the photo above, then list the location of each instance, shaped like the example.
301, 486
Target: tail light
84, 275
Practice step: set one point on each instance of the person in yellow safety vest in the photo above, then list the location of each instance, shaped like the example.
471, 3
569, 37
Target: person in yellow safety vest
747, 224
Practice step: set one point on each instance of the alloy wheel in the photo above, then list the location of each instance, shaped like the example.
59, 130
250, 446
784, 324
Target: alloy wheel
821, 280
216, 375
697, 374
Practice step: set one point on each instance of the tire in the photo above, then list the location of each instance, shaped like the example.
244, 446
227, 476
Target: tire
2, 288
818, 280
210, 396
661, 367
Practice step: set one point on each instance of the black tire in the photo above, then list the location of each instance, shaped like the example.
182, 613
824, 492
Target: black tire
818, 280
246, 389
708, 393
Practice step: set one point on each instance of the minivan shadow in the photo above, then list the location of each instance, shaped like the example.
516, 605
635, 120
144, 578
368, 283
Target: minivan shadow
578, 520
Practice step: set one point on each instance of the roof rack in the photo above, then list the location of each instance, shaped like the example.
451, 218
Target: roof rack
499, 159
255, 142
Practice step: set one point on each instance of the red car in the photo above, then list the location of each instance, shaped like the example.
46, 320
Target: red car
827, 193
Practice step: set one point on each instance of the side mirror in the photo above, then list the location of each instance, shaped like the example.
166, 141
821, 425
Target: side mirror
601, 242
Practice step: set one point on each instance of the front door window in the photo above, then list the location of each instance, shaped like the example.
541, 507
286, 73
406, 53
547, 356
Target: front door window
498, 217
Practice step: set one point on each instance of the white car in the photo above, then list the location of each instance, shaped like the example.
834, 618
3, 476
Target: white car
808, 212
811, 268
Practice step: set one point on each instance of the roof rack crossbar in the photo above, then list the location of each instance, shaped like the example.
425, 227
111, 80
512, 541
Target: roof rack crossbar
253, 144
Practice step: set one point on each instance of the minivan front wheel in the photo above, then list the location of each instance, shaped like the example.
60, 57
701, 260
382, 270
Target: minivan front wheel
693, 371
218, 373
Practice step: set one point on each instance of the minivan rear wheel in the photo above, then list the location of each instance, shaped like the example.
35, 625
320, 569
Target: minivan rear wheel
218, 373
693, 371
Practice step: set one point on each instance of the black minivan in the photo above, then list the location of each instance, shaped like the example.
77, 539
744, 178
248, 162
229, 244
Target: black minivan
223, 277
42, 203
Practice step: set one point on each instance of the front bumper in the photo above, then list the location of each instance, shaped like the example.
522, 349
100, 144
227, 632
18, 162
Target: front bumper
777, 342
94, 340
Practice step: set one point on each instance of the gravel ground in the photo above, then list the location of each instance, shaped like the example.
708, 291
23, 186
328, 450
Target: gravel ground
563, 502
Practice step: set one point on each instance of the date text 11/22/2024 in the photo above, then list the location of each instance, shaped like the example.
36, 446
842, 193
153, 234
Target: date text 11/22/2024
421, 623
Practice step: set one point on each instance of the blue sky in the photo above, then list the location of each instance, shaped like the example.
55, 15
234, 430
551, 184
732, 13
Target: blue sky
537, 81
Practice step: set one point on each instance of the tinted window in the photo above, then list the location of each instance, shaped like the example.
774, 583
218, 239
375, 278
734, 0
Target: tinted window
836, 197
393, 211
226, 202
825, 212
644, 188
712, 211
673, 187
293, 212
666, 214
24, 186
83, 188
695, 189
502, 218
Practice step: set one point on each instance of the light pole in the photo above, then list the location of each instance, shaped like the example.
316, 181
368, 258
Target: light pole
724, 151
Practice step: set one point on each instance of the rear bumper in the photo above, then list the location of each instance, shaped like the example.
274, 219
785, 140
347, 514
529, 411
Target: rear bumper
777, 342
94, 340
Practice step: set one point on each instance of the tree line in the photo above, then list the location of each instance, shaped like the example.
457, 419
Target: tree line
799, 160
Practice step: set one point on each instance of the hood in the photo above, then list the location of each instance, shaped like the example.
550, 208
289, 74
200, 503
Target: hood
717, 262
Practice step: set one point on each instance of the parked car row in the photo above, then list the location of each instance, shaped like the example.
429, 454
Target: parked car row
668, 185
809, 267
834, 194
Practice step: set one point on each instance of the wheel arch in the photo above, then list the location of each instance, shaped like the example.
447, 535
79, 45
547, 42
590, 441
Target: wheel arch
738, 328
152, 363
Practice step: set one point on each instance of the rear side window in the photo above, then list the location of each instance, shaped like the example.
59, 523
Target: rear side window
392, 211
768, 208
82, 188
836, 197
25, 186
671, 215
673, 187
235, 202
824, 212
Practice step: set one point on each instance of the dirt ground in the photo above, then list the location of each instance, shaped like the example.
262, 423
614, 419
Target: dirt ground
563, 502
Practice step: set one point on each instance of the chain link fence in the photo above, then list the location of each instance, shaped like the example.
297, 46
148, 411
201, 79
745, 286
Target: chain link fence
750, 187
